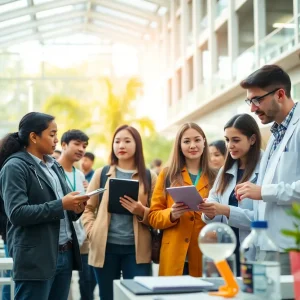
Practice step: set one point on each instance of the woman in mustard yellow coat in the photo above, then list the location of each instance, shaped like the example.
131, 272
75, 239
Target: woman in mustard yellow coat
188, 165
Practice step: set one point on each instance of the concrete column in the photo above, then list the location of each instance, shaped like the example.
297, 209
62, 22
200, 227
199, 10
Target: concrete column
260, 28
173, 34
296, 8
197, 62
184, 43
196, 15
173, 45
212, 39
164, 34
233, 33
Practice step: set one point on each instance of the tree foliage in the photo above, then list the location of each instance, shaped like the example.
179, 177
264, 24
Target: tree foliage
156, 146
99, 119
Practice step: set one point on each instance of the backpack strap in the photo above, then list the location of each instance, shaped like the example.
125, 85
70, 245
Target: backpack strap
103, 179
168, 183
149, 178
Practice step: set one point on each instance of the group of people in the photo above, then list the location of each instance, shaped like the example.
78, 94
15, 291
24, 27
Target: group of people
46, 203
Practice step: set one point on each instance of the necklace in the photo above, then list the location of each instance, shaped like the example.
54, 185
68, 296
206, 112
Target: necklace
73, 186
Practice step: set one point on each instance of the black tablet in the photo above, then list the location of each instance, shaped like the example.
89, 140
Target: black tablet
119, 188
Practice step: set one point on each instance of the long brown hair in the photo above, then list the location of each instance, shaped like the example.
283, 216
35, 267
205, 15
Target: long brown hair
177, 159
139, 160
248, 127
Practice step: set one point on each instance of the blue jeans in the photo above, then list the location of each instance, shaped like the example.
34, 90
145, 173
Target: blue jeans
6, 288
55, 288
118, 258
87, 280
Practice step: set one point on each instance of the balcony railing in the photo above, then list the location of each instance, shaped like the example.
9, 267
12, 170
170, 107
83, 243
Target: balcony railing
204, 23
244, 64
222, 5
271, 47
277, 42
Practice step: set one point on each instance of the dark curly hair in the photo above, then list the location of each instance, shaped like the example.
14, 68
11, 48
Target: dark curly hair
13, 142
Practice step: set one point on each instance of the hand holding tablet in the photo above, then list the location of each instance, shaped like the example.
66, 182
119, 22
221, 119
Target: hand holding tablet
187, 195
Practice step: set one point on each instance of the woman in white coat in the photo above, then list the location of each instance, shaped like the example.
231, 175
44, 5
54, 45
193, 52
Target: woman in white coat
243, 140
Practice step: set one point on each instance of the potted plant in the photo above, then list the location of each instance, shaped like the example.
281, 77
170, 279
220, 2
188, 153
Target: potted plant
295, 252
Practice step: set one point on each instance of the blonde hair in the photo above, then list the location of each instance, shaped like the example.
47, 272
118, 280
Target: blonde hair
177, 159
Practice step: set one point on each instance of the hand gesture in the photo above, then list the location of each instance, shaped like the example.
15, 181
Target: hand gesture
177, 210
248, 190
212, 209
209, 209
75, 202
135, 207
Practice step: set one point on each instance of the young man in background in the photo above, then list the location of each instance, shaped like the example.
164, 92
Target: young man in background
74, 143
87, 163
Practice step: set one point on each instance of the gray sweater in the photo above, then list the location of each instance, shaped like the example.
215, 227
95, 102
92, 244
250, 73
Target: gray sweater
121, 226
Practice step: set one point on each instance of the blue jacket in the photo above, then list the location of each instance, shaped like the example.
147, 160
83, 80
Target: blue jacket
34, 216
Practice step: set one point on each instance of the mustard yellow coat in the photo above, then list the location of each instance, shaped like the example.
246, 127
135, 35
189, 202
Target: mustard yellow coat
180, 239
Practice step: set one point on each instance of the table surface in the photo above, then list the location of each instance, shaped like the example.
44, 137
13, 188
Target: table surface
121, 293
6, 263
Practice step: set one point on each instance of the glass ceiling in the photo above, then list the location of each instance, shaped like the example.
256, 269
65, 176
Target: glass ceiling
131, 21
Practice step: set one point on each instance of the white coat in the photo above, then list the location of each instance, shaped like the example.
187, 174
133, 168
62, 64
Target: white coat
280, 181
240, 216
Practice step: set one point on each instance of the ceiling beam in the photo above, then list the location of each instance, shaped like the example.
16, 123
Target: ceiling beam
165, 3
127, 9
88, 10
37, 8
48, 34
44, 21
32, 16
117, 22
72, 15
7, 1
103, 33
115, 31
116, 36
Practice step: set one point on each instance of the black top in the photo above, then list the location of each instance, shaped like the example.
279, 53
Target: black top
234, 202
89, 175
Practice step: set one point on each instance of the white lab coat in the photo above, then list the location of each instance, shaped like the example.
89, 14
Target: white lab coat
241, 216
280, 181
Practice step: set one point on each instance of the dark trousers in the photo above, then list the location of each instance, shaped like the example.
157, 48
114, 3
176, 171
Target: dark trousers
118, 258
87, 280
185, 268
55, 288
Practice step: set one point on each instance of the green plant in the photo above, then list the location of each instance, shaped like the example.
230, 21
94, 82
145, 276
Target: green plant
295, 234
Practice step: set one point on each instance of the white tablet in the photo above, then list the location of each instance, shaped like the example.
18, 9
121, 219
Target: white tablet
95, 192
187, 195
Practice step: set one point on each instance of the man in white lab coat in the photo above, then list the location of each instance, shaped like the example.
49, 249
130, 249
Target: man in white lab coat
278, 185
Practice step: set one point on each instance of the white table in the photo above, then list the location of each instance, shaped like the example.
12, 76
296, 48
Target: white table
121, 293
6, 263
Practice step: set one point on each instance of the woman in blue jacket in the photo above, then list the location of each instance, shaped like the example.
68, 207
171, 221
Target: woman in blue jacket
40, 209
243, 140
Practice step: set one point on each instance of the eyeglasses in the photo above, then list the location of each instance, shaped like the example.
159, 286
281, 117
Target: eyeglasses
256, 100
